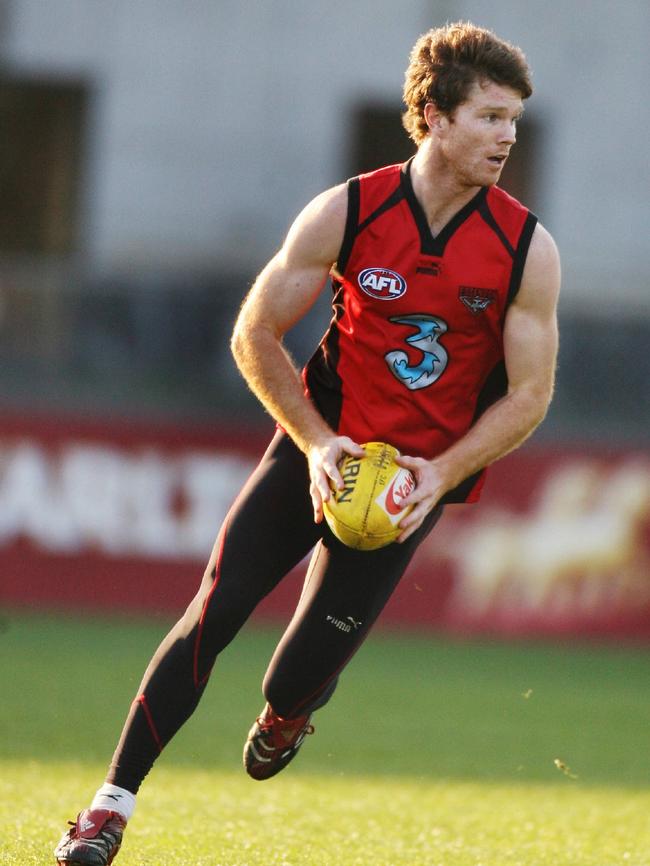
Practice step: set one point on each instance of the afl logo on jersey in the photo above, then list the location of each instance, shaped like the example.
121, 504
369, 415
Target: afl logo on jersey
382, 283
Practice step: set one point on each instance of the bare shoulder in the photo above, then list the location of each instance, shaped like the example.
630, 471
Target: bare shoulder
291, 281
543, 247
317, 232
540, 284
330, 204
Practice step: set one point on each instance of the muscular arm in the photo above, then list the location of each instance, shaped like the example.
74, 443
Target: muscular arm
530, 348
282, 294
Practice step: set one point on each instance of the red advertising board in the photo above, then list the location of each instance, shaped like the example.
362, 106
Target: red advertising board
121, 517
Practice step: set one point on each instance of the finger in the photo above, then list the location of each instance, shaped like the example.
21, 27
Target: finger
351, 447
332, 467
332, 471
412, 463
402, 537
414, 517
327, 476
322, 483
408, 521
411, 522
317, 503
412, 499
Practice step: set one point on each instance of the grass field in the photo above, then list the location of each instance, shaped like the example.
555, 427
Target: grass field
432, 753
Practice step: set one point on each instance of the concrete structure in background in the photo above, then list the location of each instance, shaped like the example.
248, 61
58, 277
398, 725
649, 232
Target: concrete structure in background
589, 60
212, 123
154, 153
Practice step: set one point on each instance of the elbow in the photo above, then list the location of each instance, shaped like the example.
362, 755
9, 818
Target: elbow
241, 336
251, 337
539, 416
534, 405
538, 406
237, 342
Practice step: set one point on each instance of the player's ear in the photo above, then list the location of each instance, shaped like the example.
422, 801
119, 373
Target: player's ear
433, 117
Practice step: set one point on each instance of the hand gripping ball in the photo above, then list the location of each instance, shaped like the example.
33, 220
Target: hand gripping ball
365, 514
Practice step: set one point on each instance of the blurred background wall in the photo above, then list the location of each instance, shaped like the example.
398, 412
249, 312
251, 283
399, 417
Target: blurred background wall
153, 154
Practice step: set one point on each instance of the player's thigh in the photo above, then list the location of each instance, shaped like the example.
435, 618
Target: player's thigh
345, 591
270, 527
342, 582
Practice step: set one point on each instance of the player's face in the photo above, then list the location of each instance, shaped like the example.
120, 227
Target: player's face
476, 140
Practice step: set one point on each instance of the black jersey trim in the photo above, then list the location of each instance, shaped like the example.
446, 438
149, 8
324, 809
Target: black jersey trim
351, 224
393, 199
321, 376
462, 491
431, 245
488, 217
520, 256
494, 387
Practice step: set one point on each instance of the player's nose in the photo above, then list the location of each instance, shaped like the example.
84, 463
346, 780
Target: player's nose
508, 134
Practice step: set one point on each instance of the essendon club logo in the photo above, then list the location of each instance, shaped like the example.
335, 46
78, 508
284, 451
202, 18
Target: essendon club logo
476, 300
382, 283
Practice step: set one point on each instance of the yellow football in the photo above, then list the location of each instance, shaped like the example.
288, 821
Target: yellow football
366, 512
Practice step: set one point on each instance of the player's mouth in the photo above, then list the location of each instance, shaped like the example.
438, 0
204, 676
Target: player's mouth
498, 160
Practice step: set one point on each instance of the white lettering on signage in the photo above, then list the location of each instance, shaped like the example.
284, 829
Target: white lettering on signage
93, 497
583, 548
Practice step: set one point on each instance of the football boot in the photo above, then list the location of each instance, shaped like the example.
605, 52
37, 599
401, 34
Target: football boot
273, 742
92, 840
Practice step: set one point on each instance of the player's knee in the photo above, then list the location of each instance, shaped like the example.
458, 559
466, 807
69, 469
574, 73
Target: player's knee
276, 693
288, 700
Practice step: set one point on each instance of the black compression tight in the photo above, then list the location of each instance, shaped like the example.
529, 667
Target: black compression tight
268, 531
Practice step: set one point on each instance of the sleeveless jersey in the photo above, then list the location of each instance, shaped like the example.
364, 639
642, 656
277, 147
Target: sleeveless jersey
414, 351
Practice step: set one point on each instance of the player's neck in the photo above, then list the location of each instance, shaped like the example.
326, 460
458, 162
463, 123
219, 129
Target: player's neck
437, 187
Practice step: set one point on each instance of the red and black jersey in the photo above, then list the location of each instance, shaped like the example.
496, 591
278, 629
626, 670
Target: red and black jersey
414, 352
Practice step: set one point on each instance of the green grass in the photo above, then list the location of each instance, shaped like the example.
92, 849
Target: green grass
432, 753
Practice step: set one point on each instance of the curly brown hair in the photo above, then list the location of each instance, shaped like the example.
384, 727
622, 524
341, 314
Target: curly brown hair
445, 63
